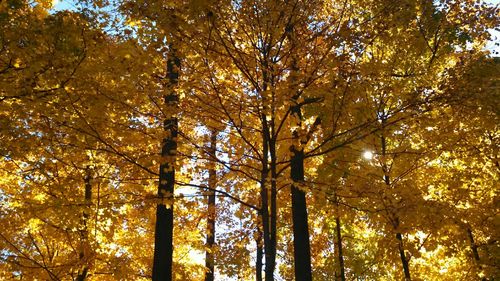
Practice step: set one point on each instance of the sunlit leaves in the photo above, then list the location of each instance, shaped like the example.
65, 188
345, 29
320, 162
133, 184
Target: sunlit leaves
403, 92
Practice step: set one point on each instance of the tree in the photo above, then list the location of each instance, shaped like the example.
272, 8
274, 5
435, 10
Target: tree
211, 212
339, 140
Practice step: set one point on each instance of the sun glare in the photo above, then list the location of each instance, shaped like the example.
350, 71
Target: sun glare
368, 155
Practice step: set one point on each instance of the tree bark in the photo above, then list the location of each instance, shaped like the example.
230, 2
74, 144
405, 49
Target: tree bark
404, 260
269, 149
85, 247
399, 237
302, 251
163, 253
339, 248
473, 245
273, 210
258, 262
264, 196
299, 217
211, 211
270, 233
475, 252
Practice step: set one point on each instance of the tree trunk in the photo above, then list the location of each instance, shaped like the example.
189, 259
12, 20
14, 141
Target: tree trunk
399, 237
299, 217
85, 246
475, 252
162, 264
272, 212
211, 214
264, 196
270, 249
269, 147
404, 260
339, 248
473, 245
302, 251
258, 262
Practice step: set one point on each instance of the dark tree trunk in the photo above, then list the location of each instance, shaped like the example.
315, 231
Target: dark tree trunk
404, 260
473, 245
269, 206
272, 212
270, 229
264, 196
475, 252
258, 262
302, 251
211, 214
339, 248
84, 236
299, 217
162, 264
399, 237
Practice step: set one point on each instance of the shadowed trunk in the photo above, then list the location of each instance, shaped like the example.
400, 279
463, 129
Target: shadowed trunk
162, 264
264, 209
299, 217
302, 251
85, 246
399, 237
273, 209
339, 248
270, 232
211, 214
404, 260
473, 245
475, 252
258, 262
269, 149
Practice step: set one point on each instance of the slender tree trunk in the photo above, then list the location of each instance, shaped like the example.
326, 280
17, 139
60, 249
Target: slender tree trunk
473, 245
273, 212
163, 253
212, 182
258, 262
475, 252
274, 177
399, 236
271, 258
404, 260
339, 248
85, 247
269, 222
264, 211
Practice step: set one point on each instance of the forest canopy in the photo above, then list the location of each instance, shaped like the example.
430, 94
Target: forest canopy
249, 140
